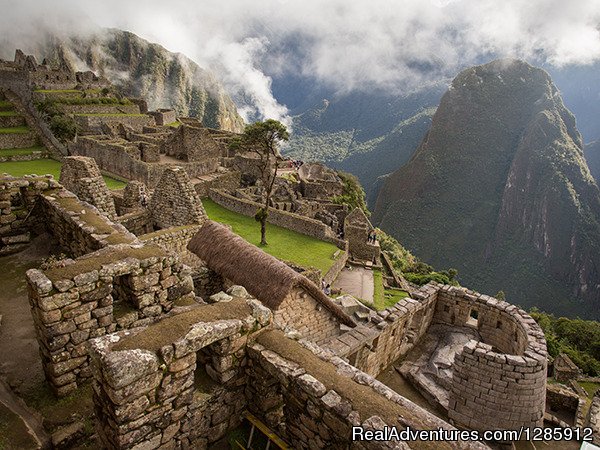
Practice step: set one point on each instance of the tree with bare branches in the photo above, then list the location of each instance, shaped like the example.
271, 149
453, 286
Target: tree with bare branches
263, 138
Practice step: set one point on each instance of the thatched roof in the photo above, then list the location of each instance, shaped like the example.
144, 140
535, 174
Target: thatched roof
263, 276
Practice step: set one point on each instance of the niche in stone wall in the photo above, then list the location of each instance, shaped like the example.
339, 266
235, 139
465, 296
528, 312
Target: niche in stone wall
473, 319
123, 302
203, 383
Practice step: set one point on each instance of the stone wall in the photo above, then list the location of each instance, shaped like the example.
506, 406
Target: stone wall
175, 240
505, 372
593, 419
112, 156
92, 124
340, 262
390, 334
194, 143
184, 391
18, 204
291, 221
175, 202
115, 288
18, 140
561, 399
312, 399
101, 108
501, 381
81, 176
79, 227
302, 313
137, 222
227, 181
30, 157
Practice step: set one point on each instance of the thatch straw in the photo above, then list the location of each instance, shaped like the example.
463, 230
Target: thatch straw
263, 276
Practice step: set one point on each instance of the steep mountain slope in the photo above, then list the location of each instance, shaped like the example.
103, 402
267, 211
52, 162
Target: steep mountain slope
499, 189
369, 134
592, 156
143, 69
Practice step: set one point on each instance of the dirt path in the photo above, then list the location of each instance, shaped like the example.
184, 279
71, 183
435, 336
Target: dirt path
20, 363
357, 282
31, 422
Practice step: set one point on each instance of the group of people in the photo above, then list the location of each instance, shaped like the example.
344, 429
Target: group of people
296, 163
325, 287
372, 237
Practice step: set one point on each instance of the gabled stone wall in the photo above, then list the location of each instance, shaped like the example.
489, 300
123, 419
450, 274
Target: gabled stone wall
175, 202
81, 176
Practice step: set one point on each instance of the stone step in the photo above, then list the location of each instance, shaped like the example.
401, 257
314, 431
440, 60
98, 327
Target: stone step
17, 137
11, 120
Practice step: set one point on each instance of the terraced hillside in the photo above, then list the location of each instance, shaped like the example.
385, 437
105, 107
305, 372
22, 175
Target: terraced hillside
17, 141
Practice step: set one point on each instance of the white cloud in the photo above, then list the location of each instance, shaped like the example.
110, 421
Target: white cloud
347, 45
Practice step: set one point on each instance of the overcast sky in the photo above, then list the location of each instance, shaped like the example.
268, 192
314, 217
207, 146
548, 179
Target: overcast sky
345, 44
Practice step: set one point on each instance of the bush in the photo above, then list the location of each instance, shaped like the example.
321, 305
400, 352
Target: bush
353, 194
63, 127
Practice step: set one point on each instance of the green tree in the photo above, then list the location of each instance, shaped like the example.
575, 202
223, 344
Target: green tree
263, 138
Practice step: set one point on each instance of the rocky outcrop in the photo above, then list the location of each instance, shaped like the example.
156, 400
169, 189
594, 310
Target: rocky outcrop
592, 156
500, 189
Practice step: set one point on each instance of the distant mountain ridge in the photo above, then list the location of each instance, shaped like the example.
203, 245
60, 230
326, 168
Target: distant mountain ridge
499, 189
367, 134
143, 69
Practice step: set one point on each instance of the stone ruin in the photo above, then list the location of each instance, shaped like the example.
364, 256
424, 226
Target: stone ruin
168, 369
128, 311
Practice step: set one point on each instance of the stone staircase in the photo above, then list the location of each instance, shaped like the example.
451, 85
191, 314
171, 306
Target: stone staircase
17, 141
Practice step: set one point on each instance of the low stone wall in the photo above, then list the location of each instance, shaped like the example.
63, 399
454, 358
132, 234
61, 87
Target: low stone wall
291, 221
137, 222
18, 140
78, 226
593, 419
559, 398
179, 390
338, 265
228, 181
92, 124
175, 240
313, 399
390, 334
115, 288
11, 121
102, 108
30, 157
18, 206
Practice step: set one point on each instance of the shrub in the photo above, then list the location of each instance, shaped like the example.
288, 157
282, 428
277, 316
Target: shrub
63, 127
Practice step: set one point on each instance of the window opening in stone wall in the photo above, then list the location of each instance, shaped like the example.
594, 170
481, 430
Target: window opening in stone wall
121, 294
446, 308
499, 325
352, 358
203, 383
473, 319
375, 344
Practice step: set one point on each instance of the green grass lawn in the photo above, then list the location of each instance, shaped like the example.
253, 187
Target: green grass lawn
384, 298
110, 115
589, 387
20, 151
15, 130
393, 296
43, 167
283, 243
